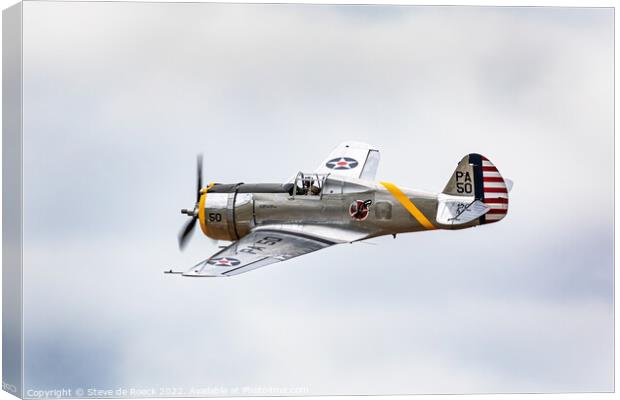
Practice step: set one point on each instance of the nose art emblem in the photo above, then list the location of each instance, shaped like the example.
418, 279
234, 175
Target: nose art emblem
359, 209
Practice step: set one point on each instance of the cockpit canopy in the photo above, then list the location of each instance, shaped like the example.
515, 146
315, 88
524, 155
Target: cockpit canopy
309, 183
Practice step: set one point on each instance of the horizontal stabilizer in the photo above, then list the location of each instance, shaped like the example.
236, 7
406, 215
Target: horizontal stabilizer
458, 210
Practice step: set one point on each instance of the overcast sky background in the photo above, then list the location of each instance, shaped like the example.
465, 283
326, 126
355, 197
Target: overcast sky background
119, 98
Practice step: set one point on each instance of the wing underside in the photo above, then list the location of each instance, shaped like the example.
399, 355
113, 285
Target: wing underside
255, 250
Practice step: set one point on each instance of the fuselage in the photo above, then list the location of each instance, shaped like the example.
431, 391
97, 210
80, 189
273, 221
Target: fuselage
356, 209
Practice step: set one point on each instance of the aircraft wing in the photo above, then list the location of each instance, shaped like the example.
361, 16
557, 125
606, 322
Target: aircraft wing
258, 249
352, 159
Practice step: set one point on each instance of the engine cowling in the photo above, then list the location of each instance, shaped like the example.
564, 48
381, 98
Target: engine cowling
225, 216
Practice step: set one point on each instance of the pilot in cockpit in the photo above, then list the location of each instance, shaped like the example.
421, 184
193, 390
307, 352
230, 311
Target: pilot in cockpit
310, 186
315, 189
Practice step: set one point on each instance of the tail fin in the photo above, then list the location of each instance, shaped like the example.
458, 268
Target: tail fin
475, 176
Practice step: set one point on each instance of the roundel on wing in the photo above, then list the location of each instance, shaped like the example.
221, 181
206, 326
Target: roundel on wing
224, 262
342, 163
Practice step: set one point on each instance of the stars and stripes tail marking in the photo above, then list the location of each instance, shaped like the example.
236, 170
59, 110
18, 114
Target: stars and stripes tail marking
495, 191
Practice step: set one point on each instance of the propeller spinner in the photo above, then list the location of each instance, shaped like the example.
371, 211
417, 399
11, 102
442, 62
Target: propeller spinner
189, 226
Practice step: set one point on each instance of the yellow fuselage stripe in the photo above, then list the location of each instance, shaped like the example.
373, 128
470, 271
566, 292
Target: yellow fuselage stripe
201, 208
408, 204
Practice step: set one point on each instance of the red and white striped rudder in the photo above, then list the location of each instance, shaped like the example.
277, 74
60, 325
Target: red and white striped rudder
495, 192
476, 177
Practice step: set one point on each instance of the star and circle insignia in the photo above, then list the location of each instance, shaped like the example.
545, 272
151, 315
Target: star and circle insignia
224, 262
342, 163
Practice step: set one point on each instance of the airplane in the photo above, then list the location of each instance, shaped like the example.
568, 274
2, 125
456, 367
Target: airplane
339, 202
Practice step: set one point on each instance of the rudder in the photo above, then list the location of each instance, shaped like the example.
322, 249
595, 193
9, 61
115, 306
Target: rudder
475, 176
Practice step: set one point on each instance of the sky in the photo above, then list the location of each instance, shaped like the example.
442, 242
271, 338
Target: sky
120, 97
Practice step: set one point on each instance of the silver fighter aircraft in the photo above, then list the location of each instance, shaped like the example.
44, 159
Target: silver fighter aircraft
339, 202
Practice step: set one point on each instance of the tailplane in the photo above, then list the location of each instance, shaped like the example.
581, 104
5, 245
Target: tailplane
477, 179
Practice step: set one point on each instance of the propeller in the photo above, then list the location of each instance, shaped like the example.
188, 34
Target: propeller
190, 225
198, 176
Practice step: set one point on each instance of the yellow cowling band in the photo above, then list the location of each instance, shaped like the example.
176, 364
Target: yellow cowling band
201, 208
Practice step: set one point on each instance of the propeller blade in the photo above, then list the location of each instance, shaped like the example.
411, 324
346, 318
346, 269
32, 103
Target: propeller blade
198, 176
186, 232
